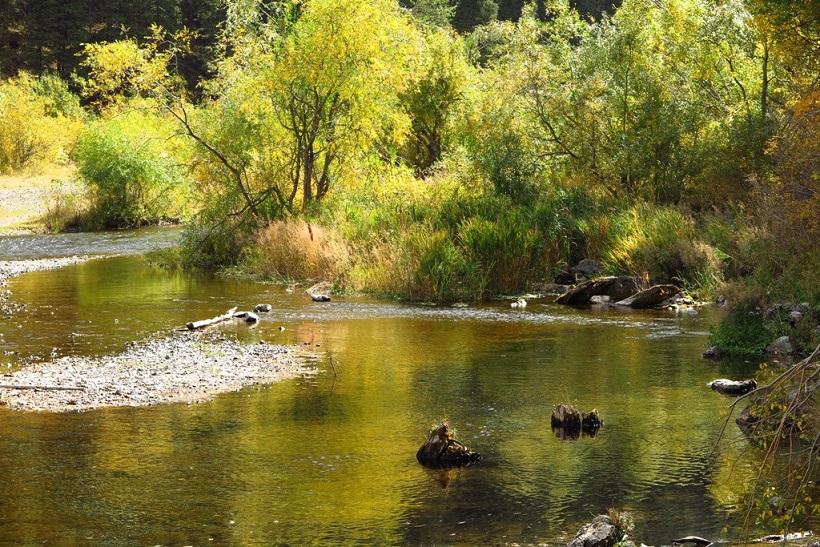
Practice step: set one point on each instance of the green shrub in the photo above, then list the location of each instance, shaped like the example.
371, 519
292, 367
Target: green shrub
208, 245
135, 174
743, 331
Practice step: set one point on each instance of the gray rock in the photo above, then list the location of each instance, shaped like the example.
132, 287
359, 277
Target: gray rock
262, 308
320, 297
601, 532
588, 267
781, 347
715, 353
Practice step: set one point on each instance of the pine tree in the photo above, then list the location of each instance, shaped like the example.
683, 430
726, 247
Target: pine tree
472, 13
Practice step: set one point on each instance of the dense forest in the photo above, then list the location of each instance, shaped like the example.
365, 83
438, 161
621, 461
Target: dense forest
439, 150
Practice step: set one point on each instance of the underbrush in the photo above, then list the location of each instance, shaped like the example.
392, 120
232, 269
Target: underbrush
298, 251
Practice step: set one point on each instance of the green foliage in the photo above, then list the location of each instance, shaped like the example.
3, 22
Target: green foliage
433, 100
743, 330
136, 177
208, 245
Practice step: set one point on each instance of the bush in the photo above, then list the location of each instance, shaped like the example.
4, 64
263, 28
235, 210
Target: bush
743, 330
133, 169
35, 124
210, 245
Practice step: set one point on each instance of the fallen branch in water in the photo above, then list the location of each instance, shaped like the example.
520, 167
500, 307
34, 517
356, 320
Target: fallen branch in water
45, 388
193, 325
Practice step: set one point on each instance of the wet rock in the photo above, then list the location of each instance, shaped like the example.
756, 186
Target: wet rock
262, 308
714, 353
601, 532
320, 297
617, 288
732, 387
442, 450
781, 347
651, 297
588, 267
692, 540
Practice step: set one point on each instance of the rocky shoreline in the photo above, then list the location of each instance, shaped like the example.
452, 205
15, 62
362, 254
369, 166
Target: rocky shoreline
183, 367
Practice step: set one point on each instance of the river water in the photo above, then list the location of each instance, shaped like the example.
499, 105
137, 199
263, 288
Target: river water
330, 459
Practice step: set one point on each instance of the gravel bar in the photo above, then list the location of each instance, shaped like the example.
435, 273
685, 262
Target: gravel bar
185, 367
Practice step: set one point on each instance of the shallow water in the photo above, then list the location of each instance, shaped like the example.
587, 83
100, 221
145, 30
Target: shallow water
331, 459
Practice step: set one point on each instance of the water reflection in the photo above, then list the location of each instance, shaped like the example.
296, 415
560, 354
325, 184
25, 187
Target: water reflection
331, 459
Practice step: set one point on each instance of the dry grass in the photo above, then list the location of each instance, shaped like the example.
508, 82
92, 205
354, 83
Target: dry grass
301, 251
25, 199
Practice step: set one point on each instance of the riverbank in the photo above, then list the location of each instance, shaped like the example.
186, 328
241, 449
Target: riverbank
184, 367
25, 200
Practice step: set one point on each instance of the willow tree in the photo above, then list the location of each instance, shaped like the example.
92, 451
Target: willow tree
332, 90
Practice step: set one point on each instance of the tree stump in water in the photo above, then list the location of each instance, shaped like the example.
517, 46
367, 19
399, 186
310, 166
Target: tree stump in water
442, 450
568, 423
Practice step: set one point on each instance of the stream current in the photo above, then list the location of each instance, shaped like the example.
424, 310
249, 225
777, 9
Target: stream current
330, 459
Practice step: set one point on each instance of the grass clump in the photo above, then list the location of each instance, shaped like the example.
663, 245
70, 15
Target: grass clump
298, 250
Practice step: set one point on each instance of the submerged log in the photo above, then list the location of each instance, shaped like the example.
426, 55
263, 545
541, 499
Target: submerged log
568, 423
193, 325
650, 297
442, 450
732, 387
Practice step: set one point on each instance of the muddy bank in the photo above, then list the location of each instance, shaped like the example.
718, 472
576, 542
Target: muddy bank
184, 367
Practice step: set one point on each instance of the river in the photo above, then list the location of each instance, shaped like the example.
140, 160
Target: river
330, 459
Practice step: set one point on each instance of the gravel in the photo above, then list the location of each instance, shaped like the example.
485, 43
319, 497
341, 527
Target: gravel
183, 367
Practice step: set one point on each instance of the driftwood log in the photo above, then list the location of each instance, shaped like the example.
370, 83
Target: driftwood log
568, 423
650, 297
732, 387
617, 288
442, 450
193, 325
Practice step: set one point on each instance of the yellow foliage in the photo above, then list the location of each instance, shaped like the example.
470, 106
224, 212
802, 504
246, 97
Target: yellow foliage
31, 133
